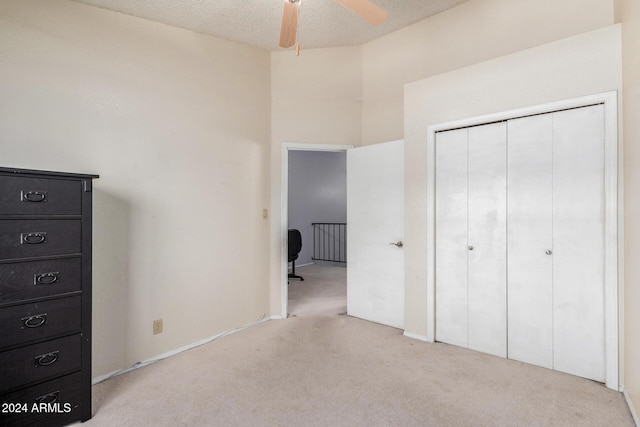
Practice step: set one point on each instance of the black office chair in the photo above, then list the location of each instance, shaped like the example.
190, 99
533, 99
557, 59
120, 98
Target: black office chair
295, 245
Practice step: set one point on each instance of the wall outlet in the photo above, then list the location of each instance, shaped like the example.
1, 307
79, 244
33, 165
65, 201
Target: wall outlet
157, 327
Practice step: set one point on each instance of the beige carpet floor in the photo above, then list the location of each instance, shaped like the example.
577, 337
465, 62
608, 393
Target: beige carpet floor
335, 370
323, 291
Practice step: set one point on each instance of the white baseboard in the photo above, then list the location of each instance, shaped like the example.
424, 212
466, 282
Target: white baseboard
634, 414
146, 362
415, 336
101, 378
301, 265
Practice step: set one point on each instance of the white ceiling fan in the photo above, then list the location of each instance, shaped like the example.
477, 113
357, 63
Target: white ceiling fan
364, 8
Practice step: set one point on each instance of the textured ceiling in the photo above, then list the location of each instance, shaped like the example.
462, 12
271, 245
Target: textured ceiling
322, 23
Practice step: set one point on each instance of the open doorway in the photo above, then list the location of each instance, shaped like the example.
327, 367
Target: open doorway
316, 203
375, 199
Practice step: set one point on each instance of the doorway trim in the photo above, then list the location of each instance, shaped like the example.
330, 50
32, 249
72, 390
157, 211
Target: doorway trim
284, 208
613, 227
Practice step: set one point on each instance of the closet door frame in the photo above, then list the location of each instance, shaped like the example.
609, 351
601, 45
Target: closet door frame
612, 225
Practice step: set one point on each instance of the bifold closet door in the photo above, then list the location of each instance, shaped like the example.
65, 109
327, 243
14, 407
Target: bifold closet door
578, 242
530, 240
520, 210
555, 241
451, 237
486, 238
471, 238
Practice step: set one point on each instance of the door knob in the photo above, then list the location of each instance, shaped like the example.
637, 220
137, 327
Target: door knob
548, 252
398, 243
470, 248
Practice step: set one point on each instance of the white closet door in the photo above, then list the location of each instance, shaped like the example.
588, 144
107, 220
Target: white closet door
578, 254
520, 212
451, 237
530, 236
486, 244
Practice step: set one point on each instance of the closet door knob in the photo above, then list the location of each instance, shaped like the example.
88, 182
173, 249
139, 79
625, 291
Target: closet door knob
470, 248
548, 252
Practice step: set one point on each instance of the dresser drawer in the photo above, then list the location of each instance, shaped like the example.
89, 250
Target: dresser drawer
28, 322
39, 361
30, 238
63, 397
40, 196
34, 279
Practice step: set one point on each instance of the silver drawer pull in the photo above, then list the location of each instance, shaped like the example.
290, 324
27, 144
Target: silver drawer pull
33, 238
46, 278
48, 398
46, 359
34, 321
33, 196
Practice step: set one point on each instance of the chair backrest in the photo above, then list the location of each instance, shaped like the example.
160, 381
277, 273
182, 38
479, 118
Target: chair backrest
294, 243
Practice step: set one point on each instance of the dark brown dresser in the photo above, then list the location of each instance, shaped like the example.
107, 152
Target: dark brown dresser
45, 297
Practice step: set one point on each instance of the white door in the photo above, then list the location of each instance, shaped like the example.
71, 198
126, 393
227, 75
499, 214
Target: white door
487, 240
578, 242
471, 297
375, 221
531, 207
556, 241
530, 240
451, 237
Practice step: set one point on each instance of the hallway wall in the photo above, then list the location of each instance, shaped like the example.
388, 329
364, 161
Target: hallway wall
317, 193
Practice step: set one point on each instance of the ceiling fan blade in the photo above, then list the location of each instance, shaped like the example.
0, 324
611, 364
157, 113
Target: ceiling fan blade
364, 8
289, 23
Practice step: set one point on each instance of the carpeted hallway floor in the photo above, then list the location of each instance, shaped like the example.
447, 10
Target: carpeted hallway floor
323, 291
335, 370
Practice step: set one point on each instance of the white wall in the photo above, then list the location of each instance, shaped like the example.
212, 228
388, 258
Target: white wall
317, 193
472, 32
177, 126
630, 11
356, 95
316, 98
